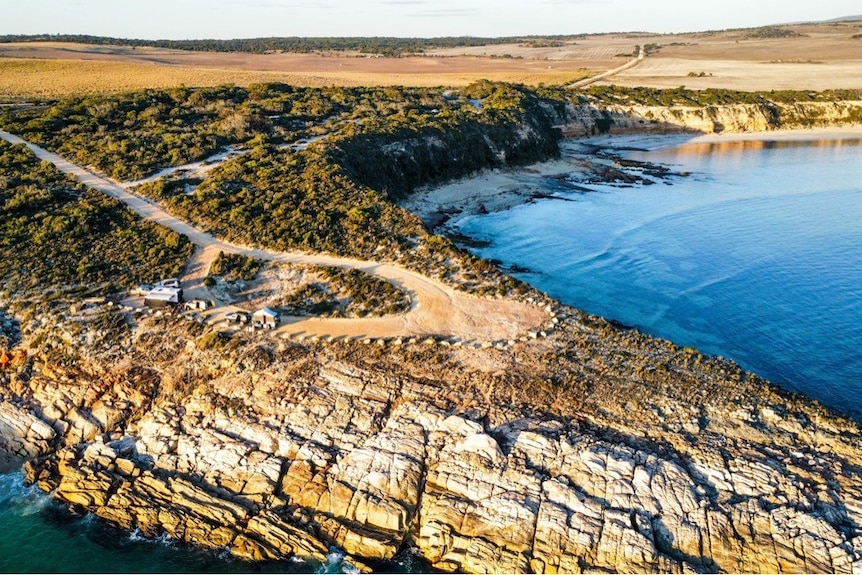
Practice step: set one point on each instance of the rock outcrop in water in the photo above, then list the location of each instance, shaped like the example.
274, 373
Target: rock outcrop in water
596, 448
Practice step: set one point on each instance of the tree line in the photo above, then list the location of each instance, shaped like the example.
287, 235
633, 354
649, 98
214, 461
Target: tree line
388, 46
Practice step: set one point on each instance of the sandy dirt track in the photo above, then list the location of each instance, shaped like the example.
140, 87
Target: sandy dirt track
436, 309
604, 75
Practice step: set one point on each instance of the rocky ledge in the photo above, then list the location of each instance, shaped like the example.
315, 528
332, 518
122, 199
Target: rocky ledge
589, 119
594, 449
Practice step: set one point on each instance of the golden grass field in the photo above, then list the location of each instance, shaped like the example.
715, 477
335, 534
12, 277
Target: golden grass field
28, 78
43, 70
823, 56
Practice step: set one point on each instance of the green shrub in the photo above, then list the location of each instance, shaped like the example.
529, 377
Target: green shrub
214, 340
57, 234
234, 266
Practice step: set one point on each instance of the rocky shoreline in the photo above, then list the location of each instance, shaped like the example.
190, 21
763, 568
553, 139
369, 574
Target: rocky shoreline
593, 448
597, 448
498, 190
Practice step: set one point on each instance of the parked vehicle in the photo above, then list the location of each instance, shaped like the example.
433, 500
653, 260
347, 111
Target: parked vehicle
161, 296
238, 317
169, 283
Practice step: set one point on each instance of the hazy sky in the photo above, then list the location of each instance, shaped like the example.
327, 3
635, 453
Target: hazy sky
253, 18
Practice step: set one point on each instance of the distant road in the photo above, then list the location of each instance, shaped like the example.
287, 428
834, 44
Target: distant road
437, 309
630, 64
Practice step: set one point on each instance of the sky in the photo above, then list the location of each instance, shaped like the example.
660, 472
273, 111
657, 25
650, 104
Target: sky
180, 19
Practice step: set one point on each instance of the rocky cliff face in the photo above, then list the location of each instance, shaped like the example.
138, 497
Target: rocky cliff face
591, 118
592, 449
412, 156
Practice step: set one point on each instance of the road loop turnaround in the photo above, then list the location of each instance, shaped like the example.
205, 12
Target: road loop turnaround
437, 309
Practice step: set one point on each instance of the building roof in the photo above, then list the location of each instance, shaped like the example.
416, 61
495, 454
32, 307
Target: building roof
267, 312
165, 293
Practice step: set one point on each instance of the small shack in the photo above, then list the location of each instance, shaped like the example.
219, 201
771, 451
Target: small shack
163, 296
265, 317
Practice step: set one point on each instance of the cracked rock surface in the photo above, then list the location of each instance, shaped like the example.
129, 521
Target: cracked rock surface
594, 449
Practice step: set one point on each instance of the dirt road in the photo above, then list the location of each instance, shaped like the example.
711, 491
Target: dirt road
604, 75
437, 309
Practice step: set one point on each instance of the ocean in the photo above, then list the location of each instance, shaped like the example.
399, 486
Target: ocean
40, 535
749, 250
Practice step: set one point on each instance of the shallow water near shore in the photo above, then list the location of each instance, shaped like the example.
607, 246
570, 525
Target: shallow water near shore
39, 535
752, 251
42, 536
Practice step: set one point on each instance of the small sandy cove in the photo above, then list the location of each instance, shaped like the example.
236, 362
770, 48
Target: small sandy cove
489, 191
501, 189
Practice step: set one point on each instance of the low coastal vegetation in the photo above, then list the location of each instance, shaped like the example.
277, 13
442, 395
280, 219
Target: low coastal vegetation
712, 96
331, 195
58, 237
283, 200
344, 293
234, 267
131, 136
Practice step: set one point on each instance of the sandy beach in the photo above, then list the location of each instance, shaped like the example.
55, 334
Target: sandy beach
835, 133
489, 191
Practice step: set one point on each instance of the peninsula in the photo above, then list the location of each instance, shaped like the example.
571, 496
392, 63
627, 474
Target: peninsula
412, 398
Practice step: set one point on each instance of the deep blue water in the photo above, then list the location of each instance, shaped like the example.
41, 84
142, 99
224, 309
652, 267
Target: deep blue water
755, 255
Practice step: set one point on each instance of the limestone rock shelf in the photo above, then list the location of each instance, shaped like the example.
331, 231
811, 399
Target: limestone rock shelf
555, 455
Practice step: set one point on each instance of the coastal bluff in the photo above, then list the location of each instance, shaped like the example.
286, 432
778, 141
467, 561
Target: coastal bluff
595, 448
591, 117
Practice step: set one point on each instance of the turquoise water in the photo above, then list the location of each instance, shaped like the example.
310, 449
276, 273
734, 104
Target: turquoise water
38, 535
752, 252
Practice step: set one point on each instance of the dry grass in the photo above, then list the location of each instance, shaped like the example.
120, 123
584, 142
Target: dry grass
36, 78
22, 78
25, 78
733, 59
742, 75
821, 57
